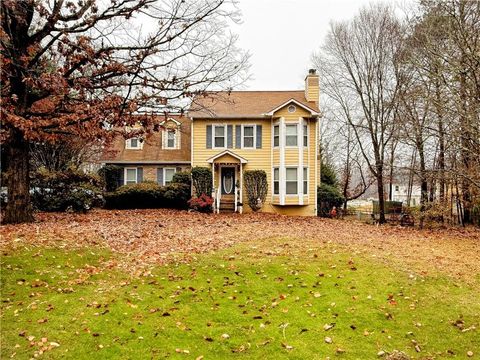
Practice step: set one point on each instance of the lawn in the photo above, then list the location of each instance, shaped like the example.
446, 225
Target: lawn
261, 297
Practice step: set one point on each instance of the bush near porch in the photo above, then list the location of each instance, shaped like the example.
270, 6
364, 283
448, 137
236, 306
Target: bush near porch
149, 195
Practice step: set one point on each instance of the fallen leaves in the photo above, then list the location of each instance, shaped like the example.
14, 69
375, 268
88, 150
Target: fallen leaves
454, 251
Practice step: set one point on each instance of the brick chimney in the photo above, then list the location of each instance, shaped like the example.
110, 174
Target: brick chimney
312, 87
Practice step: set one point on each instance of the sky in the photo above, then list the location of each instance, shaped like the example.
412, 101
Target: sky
281, 36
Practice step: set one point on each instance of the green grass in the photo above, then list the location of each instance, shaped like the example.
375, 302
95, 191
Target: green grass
266, 305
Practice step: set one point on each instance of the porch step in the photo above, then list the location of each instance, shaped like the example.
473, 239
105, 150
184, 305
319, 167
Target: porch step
227, 205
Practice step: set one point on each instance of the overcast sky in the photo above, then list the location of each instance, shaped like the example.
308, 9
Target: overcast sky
282, 34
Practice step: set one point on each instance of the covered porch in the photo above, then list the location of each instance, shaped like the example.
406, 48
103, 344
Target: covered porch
227, 181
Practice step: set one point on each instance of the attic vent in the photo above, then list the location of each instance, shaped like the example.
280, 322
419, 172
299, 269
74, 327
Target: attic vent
292, 109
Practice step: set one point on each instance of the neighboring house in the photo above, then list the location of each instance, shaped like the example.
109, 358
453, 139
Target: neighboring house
157, 156
274, 131
400, 192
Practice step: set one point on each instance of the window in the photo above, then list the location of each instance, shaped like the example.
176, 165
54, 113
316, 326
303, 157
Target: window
305, 181
219, 136
276, 181
171, 139
276, 135
168, 175
305, 135
291, 135
292, 109
291, 181
133, 143
248, 136
130, 176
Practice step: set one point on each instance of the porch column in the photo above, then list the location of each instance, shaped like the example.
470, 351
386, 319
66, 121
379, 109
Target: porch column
213, 181
241, 182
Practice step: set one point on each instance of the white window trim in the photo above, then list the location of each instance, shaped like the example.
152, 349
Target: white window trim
175, 139
165, 174
305, 124
285, 135
225, 136
273, 181
128, 144
306, 180
285, 180
254, 136
273, 136
125, 174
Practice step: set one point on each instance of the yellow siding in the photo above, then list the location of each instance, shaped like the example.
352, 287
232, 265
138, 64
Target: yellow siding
261, 159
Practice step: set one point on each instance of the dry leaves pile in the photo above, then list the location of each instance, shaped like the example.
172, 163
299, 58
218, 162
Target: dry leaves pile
154, 236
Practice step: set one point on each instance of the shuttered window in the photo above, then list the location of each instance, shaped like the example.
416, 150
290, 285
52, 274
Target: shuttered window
219, 136
249, 136
130, 176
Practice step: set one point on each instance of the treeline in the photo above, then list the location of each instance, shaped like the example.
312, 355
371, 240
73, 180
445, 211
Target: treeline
401, 100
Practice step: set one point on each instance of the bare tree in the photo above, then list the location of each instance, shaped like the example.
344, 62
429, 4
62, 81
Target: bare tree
358, 60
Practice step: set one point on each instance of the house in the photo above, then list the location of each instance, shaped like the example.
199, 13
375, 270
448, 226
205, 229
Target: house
155, 157
274, 131
408, 195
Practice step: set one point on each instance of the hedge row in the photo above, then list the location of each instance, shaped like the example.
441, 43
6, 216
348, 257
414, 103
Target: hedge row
148, 195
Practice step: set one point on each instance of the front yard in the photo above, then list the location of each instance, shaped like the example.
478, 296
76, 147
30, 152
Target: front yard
161, 284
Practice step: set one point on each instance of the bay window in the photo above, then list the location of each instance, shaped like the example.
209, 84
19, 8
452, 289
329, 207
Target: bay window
291, 135
276, 181
291, 182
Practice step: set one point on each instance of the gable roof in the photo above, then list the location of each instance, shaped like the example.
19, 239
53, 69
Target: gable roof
246, 103
227, 152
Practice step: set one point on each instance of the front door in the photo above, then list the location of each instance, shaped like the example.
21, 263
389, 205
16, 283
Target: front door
228, 180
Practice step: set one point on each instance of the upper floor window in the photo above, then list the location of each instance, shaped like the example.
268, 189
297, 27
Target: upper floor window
219, 136
305, 135
291, 135
276, 181
248, 138
291, 183
133, 143
171, 139
276, 135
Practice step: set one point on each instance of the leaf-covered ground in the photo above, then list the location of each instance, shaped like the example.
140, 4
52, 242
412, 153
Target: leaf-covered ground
153, 236
167, 284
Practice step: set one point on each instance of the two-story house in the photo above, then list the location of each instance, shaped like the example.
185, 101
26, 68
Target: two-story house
156, 156
274, 131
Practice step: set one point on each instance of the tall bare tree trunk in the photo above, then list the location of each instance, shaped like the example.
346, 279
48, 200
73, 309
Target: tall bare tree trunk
19, 208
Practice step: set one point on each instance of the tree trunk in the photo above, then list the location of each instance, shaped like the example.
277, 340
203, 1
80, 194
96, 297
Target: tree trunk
423, 185
19, 208
381, 194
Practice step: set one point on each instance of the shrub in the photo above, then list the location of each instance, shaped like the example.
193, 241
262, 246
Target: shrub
202, 180
328, 174
203, 203
134, 196
182, 177
148, 195
65, 190
328, 196
176, 196
256, 186
111, 176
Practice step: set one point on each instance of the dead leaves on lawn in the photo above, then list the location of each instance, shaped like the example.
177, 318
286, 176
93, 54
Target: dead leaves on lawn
146, 237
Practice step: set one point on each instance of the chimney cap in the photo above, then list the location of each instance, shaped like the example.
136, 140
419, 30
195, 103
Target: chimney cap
312, 71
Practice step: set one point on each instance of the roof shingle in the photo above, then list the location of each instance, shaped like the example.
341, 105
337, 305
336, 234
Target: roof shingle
244, 103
